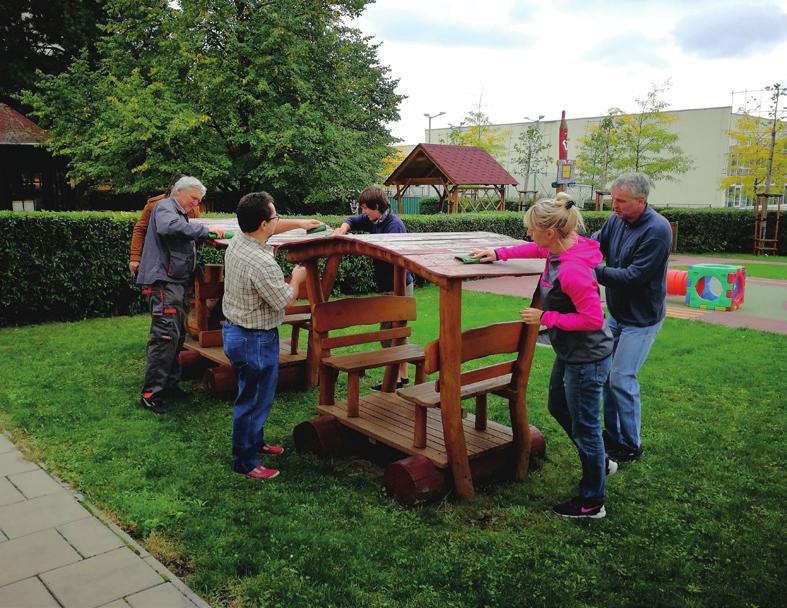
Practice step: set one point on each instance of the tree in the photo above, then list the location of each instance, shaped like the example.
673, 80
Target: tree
530, 154
477, 130
597, 150
645, 143
44, 35
279, 95
757, 158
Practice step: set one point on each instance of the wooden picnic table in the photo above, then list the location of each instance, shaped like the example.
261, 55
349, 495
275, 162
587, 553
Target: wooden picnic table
430, 255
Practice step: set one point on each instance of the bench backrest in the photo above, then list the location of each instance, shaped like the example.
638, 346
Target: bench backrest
495, 339
340, 314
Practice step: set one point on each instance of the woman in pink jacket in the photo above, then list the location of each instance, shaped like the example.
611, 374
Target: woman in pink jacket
583, 346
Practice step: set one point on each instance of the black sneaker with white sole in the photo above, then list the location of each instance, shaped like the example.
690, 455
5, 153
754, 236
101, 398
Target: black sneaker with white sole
152, 404
624, 454
400, 384
581, 508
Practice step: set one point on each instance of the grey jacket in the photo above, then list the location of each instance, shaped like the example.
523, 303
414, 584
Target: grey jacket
170, 252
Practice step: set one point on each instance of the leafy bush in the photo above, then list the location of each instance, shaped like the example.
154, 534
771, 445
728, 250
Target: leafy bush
73, 265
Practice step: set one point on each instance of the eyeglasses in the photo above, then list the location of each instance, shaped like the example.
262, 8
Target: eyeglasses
273, 217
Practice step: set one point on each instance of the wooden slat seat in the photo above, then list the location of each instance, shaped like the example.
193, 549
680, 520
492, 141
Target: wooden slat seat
405, 353
499, 338
353, 312
427, 395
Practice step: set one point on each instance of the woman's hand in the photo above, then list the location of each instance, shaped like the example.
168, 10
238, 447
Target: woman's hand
531, 316
485, 255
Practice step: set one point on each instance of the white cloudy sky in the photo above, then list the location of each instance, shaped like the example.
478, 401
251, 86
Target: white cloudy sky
533, 57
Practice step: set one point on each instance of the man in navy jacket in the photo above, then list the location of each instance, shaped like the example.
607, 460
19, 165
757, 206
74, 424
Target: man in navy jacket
635, 241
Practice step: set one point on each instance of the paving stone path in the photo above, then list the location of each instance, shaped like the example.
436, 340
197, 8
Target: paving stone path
57, 550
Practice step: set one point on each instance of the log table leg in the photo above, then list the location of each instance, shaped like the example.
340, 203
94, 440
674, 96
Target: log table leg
450, 409
314, 288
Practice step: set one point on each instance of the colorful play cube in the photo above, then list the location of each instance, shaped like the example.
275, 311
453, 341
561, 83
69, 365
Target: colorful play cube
715, 286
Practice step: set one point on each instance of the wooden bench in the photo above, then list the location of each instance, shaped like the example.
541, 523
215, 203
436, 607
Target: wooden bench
500, 338
341, 314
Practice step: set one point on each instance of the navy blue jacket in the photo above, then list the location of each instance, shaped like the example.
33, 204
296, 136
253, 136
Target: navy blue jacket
635, 275
383, 271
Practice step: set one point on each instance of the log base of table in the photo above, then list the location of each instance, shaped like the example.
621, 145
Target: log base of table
292, 368
414, 480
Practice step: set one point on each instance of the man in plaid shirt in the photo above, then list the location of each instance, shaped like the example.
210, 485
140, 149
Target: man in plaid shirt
255, 295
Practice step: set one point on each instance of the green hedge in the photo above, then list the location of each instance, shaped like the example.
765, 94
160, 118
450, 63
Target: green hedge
73, 265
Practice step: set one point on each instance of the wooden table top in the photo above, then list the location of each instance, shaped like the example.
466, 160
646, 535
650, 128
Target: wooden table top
428, 254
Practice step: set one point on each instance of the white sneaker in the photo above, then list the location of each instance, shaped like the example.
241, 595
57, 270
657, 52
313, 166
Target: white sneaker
612, 467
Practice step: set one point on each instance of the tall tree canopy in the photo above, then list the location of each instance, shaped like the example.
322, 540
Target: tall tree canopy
641, 141
477, 130
645, 142
245, 94
597, 150
43, 35
757, 161
530, 154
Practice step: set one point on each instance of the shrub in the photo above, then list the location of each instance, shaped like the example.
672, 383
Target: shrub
73, 265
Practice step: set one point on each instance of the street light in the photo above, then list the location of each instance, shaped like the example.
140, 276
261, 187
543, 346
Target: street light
429, 129
537, 121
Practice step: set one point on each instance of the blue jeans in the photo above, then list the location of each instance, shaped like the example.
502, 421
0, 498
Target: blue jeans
621, 393
575, 402
254, 354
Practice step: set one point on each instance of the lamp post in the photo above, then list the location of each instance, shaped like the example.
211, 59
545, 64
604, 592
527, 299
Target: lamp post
429, 128
537, 121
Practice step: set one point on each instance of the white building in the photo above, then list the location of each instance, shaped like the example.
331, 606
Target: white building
703, 137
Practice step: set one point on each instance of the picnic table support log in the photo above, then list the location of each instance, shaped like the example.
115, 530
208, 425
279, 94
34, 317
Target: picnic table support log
314, 288
518, 406
392, 371
450, 410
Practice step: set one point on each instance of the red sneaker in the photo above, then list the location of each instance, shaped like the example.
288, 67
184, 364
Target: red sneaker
271, 450
260, 472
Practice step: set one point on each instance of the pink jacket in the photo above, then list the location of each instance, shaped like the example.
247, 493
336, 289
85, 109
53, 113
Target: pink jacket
577, 281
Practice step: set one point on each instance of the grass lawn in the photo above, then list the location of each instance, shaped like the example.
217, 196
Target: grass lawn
698, 522
759, 271
741, 256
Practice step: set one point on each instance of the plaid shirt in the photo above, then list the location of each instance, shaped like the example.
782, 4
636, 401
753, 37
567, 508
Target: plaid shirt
255, 293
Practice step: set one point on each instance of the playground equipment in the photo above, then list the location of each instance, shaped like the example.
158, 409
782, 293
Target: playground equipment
710, 286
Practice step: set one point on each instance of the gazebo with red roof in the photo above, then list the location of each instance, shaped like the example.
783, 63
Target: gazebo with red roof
451, 167
29, 175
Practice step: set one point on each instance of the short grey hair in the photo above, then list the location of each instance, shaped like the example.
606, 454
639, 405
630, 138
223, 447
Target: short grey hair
638, 184
187, 183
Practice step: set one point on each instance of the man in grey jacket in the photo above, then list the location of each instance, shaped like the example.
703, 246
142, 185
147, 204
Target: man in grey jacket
166, 270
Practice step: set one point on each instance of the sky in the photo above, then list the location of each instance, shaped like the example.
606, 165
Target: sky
527, 58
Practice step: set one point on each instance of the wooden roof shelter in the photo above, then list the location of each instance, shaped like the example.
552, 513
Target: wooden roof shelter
29, 175
449, 169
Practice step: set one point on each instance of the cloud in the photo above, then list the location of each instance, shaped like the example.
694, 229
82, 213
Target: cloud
737, 31
416, 29
628, 49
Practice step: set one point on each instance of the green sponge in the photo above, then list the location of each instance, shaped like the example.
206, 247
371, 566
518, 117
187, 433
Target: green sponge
466, 259
227, 235
319, 228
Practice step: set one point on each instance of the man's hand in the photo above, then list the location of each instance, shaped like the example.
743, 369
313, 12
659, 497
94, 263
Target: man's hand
343, 229
133, 267
485, 255
218, 230
297, 278
531, 316
308, 224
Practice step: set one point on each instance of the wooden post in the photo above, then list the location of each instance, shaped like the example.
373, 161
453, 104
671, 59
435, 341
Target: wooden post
399, 205
314, 288
392, 371
518, 405
450, 408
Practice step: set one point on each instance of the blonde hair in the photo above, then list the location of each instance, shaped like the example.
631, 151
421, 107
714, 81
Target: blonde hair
560, 213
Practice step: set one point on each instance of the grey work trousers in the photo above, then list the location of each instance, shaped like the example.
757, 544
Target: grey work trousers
168, 310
